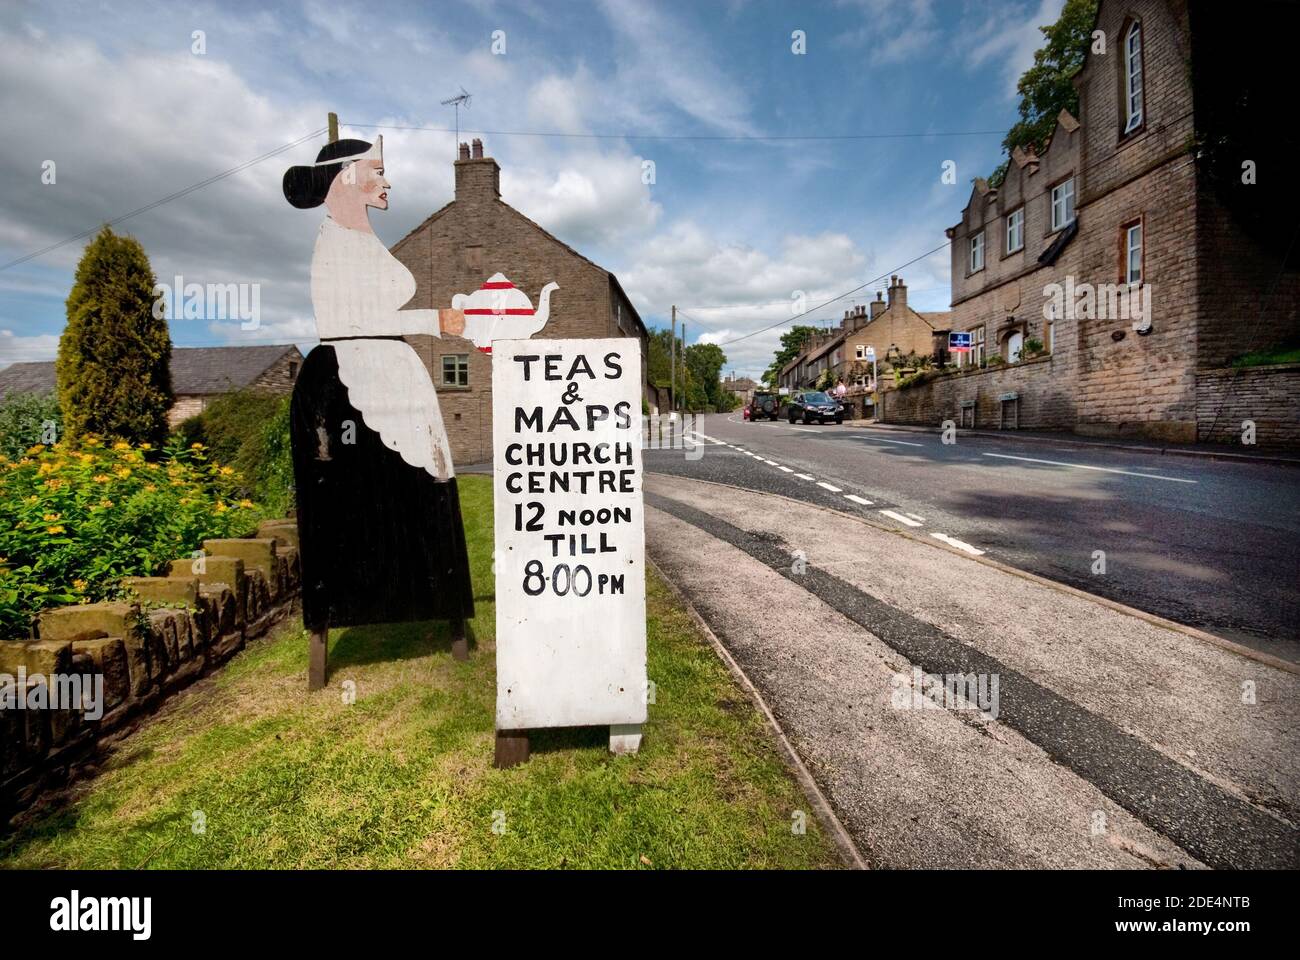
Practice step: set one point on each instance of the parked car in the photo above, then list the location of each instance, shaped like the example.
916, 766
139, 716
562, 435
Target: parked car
811, 405
765, 404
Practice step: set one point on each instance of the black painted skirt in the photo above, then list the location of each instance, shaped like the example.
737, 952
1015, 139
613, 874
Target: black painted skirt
381, 541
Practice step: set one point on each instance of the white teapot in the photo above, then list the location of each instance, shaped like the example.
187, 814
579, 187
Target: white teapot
499, 310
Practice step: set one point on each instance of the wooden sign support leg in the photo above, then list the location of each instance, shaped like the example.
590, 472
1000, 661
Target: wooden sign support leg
317, 657
459, 642
512, 748
624, 737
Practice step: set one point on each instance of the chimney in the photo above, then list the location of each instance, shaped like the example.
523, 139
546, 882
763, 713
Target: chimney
897, 293
877, 305
477, 177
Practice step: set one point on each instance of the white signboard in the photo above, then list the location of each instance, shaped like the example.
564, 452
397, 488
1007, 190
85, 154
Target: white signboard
871, 353
570, 534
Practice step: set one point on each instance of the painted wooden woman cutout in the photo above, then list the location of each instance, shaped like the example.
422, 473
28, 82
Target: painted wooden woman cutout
378, 511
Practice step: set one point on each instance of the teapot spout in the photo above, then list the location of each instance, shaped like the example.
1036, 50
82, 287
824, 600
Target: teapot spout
543, 311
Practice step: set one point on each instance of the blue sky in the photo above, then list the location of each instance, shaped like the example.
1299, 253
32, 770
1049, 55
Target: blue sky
117, 97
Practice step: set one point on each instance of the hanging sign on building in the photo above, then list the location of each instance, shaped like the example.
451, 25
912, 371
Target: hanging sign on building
959, 341
570, 536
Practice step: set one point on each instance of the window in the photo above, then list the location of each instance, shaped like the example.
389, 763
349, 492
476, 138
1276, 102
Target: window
455, 370
293, 370
1015, 345
1063, 204
1133, 78
861, 352
1133, 252
1015, 230
977, 252
976, 355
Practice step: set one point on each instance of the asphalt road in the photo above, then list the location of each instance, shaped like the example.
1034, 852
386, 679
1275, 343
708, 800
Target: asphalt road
1208, 543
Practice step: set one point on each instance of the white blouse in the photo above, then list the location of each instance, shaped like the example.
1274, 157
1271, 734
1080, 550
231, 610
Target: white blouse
357, 290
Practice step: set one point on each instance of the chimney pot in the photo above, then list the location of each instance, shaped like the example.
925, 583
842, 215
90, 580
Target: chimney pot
478, 149
464, 151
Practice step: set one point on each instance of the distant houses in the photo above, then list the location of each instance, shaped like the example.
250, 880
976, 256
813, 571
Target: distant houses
199, 374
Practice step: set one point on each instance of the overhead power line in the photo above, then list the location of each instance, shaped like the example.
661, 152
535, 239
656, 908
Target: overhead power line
167, 199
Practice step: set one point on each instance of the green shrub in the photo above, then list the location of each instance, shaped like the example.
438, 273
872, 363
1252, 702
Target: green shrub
75, 520
249, 430
23, 417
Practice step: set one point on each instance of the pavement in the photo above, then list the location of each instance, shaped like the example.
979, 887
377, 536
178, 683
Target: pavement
1207, 542
1090, 735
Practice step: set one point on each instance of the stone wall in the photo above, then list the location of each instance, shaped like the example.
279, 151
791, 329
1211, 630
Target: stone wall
1044, 399
1269, 396
168, 632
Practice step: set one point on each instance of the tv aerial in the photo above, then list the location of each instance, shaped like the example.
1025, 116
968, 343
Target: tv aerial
456, 102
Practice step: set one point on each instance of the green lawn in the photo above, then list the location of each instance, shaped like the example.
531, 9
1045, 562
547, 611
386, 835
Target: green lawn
403, 776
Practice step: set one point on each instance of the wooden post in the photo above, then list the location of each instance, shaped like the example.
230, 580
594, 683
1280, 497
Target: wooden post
334, 127
512, 748
317, 656
459, 642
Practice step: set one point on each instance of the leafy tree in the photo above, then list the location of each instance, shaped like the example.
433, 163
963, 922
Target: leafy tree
23, 417
113, 369
705, 362
792, 341
1047, 87
249, 431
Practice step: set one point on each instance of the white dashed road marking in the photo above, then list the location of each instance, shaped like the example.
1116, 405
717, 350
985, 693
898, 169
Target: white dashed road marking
917, 517
906, 521
804, 476
826, 486
786, 469
959, 544
856, 499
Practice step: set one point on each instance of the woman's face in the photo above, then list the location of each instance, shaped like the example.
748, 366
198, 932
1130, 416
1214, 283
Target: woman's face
370, 182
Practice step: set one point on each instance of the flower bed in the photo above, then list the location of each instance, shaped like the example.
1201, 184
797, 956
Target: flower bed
75, 520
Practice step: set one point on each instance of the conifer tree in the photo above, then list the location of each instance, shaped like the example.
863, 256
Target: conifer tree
114, 364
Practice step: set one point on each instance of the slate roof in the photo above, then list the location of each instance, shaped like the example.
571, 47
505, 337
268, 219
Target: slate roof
195, 370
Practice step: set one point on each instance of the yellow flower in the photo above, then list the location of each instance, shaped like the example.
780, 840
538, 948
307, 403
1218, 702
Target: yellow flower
150, 487
106, 503
54, 529
101, 478
146, 446
79, 585
53, 483
51, 517
227, 471
124, 472
196, 446
86, 457
121, 445
93, 442
221, 507
246, 504
32, 451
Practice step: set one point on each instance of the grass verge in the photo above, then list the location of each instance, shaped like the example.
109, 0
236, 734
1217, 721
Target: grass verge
403, 776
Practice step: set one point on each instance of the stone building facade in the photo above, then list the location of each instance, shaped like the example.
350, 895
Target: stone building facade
457, 249
890, 326
1111, 256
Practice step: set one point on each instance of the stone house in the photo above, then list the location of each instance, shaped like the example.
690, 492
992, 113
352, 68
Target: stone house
199, 374
890, 326
1111, 251
461, 246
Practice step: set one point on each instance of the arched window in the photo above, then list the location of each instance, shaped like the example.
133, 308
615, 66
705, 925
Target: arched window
1133, 77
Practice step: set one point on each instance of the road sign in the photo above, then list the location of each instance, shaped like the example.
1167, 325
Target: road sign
959, 342
570, 535
870, 354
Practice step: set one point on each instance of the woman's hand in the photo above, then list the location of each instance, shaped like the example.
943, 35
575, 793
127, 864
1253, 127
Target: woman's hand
452, 321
